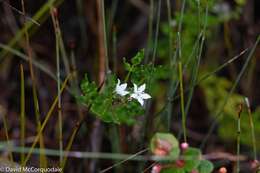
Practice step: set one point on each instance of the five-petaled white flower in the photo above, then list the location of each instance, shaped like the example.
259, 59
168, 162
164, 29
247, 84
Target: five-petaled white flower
121, 88
139, 94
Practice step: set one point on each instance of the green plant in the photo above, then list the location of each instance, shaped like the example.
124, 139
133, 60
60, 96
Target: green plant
112, 102
215, 95
180, 159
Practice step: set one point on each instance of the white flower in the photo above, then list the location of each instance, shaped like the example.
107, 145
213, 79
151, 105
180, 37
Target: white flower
139, 94
121, 88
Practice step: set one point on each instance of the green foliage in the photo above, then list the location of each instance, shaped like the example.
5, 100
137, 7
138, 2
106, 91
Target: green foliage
188, 160
192, 158
111, 107
192, 22
166, 139
216, 89
205, 166
143, 73
107, 105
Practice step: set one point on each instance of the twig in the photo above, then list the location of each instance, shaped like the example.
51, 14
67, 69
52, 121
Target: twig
21, 13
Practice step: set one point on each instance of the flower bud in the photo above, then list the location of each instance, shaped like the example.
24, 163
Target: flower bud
255, 164
156, 168
184, 146
222, 170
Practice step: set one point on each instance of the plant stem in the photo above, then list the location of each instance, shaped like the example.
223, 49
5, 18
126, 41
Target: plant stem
22, 115
43, 160
9, 147
182, 103
238, 138
47, 117
150, 31
57, 44
251, 121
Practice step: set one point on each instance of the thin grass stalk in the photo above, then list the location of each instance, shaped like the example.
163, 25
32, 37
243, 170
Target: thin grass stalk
156, 31
222, 66
9, 146
75, 82
238, 138
174, 83
252, 128
57, 44
43, 160
177, 54
116, 156
104, 36
63, 52
150, 31
47, 117
197, 48
196, 68
103, 70
24, 57
114, 51
60, 41
69, 145
20, 13
220, 111
194, 76
182, 103
123, 161
115, 143
112, 28
22, 114
29, 25
170, 41
88, 155
113, 130
149, 167
206, 76
59, 98
199, 15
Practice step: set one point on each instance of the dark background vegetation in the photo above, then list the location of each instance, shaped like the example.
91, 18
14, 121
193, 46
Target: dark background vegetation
127, 32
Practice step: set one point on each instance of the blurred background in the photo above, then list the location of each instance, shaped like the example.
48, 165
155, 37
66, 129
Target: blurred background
94, 37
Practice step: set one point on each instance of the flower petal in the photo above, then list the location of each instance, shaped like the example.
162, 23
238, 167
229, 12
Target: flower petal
140, 100
141, 88
123, 93
145, 96
135, 96
123, 86
135, 88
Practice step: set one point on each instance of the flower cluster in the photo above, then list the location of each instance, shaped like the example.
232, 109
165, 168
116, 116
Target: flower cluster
137, 94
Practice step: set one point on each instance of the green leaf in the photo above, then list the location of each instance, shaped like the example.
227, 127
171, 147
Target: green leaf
137, 59
173, 170
89, 90
127, 65
205, 166
192, 158
167, 139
